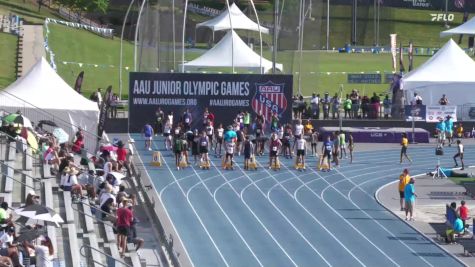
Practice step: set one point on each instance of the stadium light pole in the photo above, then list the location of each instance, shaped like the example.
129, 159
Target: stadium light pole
260, 37
122, 47
183, 37
137, 34
328, 24
232, 35
301, 28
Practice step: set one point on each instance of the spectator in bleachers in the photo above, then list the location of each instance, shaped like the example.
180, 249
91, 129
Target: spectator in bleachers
132, 237
51, 157
124, 221
122, 156
5, 215
44, 253
113, 182
8, 247
105, 194
32, 198
122, 194
107, 207
69, 181
78, 144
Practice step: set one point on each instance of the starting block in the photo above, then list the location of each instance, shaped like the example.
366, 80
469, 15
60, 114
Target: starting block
183, 163
299, 165
226, 165
252, 165
205, 165
156, 159
324, 166
276, 164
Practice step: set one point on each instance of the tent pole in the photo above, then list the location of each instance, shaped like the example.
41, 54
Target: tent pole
260, 37
301, 25
183, 37
137, 34
232, 36
122, 48
174, 41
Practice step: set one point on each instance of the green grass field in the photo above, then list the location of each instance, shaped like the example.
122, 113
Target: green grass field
320, 71
460, 180
8, 44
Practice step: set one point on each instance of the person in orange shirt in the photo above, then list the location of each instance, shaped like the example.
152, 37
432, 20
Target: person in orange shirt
308, 128
404, 179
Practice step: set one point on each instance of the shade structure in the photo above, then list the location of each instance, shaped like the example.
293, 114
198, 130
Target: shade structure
41, 213
221, 56
239, 21
468, 28
43, 95
450, 71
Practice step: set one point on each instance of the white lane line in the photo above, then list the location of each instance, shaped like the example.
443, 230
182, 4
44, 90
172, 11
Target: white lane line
164, 207
179, 180
311, 215
382, 226
222, 210
196, 214
282, 214
254, 214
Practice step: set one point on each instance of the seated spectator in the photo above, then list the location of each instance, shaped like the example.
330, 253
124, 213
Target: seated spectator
8, 247
458, 228
451, 214
106, 194
113, 182
44, 253
121, 195
107, 208
78, 145
51, 157
32, 198
5, 215
69, 181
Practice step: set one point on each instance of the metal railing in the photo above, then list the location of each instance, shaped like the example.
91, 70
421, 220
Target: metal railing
15, 180
108, 257
93, 216
22, 173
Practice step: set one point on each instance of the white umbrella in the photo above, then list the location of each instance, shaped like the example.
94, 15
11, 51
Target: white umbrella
119, 176
41, 213
61, 135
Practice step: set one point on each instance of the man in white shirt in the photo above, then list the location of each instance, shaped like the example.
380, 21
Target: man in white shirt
459, 154
298, 132
416, 100
315, 104
301, 148
8, 248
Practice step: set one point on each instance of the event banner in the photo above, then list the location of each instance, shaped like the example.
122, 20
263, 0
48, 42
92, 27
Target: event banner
435, 113
415, 112
225, 95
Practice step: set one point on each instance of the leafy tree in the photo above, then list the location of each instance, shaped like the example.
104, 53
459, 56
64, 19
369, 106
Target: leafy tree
85, 5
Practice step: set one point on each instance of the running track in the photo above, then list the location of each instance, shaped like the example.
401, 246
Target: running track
291, 218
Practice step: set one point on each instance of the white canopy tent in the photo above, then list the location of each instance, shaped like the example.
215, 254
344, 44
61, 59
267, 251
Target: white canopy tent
239, 21
468, 28
220, 56
450, 71
43, 95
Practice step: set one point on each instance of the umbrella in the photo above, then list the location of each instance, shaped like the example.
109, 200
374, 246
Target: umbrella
31, 140
119, 176
30, 234
41, 213
47, 122
61, 135
109, 148
16, 118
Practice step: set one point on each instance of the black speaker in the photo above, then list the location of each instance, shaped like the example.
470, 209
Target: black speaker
439, 151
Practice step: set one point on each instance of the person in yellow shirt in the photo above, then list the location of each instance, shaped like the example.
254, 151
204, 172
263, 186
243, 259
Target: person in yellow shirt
404, 179
460, 131
308, 128
404, 144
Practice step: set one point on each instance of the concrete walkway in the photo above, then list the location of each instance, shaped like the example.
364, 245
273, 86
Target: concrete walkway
432, 196
33, 46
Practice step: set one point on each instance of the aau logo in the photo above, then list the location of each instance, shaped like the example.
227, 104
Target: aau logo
269, 98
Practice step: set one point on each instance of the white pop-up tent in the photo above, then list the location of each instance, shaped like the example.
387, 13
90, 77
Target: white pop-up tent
220, 56
43, 95
238, 19
450, 71
468, 28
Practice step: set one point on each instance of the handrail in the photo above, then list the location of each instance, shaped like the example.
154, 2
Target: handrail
8, 176
9, 144
94, 217
91, 206
103, 253
20, 172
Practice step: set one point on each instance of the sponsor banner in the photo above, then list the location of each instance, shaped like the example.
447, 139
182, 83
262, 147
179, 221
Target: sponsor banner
435, 113
103, 109
418, 112
225, 95
373, 78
